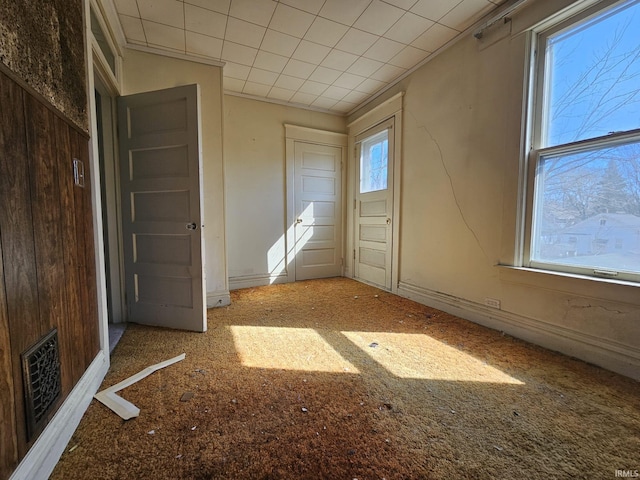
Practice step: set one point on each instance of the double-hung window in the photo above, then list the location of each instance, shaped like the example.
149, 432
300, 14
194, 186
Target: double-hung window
585, 205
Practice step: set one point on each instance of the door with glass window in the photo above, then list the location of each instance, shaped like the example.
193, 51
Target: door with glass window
374, 206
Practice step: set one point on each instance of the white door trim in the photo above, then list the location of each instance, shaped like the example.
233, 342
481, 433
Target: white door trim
390, 109
295, 133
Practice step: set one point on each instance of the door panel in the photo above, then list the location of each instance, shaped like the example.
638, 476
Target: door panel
318, 210
160, 168
374, 206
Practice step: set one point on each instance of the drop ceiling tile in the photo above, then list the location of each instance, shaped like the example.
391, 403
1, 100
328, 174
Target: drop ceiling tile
404, 4
467, 13
291, 21
343, 107
233, 84
311, 52
345, 12
206, 22
378, 17
204, 45
355, 97
242, 54
384, 50
349, 80
127, 7
370, 86
323, 102
313, 88
433, 9
325, 32
337, 93
167, 12
133, 30
435, 37
251, 11
356, 41
291, 83
408, 57
325, 75
220, 6
339, 60
164, 36
244, 33
303, 98
311, 6
364, 66
388, 73
270, 61
283, 94
298, 68
408, 28
235, 70
264, 77
280, 43
257, 89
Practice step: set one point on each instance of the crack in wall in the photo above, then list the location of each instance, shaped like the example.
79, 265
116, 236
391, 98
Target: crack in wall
448, 174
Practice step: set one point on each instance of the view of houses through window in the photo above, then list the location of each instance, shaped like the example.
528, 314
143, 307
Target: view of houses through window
587, 184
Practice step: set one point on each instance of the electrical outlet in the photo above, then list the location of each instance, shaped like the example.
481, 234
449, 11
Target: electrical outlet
492, 302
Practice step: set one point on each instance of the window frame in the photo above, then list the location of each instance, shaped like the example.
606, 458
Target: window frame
535, 87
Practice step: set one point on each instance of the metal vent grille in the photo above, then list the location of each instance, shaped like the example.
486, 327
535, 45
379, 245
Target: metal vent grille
41, 373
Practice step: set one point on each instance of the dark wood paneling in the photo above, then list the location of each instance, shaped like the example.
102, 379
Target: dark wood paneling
84, 232
71, 363
18, 248
48, 271
9, 137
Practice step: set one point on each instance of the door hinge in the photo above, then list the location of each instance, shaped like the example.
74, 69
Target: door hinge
354, 204
354, 253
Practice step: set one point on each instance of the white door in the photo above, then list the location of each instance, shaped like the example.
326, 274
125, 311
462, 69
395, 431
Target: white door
374, 206
160, 168
318, 210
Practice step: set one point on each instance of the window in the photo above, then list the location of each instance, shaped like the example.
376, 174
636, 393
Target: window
586, 145
373, 162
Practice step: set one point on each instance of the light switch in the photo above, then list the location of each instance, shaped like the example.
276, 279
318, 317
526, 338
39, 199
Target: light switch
78, 172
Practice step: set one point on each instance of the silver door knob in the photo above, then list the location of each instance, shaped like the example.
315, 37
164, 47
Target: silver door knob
192, 226
388, 221
299, 220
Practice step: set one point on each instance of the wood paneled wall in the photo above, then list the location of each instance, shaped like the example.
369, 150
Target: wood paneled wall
47, 273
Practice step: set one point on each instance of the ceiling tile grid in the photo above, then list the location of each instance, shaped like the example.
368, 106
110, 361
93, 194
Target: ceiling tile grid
323, 54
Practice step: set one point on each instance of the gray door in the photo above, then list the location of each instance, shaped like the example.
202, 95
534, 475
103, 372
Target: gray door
160, 168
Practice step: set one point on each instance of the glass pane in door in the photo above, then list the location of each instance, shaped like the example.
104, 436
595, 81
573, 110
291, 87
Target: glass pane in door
374, 154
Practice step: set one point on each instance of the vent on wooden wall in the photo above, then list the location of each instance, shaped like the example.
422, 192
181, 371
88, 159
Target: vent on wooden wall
41, 373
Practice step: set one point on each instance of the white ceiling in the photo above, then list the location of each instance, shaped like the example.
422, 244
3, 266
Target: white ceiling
324, 54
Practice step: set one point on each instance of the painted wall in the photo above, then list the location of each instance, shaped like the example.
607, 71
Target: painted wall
254, 153
144, 72
459, 206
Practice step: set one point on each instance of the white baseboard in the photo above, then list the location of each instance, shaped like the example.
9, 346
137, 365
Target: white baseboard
43, 456
249, 281
218, 299
609, 354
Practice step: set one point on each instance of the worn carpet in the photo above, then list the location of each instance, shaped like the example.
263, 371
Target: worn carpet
338, 380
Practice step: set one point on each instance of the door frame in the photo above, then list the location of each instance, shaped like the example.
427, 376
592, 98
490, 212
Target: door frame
293, 134
391, 109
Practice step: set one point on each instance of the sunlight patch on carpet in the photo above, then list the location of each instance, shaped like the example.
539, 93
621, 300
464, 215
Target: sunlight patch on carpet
420, 356
287, 349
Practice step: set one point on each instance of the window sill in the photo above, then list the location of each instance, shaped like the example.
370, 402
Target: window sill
574, 284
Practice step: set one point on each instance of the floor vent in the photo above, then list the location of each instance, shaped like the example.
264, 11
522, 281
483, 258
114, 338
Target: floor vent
41, 373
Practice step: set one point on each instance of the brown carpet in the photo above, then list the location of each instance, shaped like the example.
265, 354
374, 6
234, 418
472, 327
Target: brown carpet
338, 380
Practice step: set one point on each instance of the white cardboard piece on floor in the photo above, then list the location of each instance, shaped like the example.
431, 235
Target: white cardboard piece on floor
119, 405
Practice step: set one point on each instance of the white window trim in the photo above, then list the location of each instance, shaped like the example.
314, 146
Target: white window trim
531, 134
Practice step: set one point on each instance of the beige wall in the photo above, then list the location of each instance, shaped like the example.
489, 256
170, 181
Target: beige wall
459, 206
146, 72
254, 153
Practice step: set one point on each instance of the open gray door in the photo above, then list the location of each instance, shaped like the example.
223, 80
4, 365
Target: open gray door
160, 183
